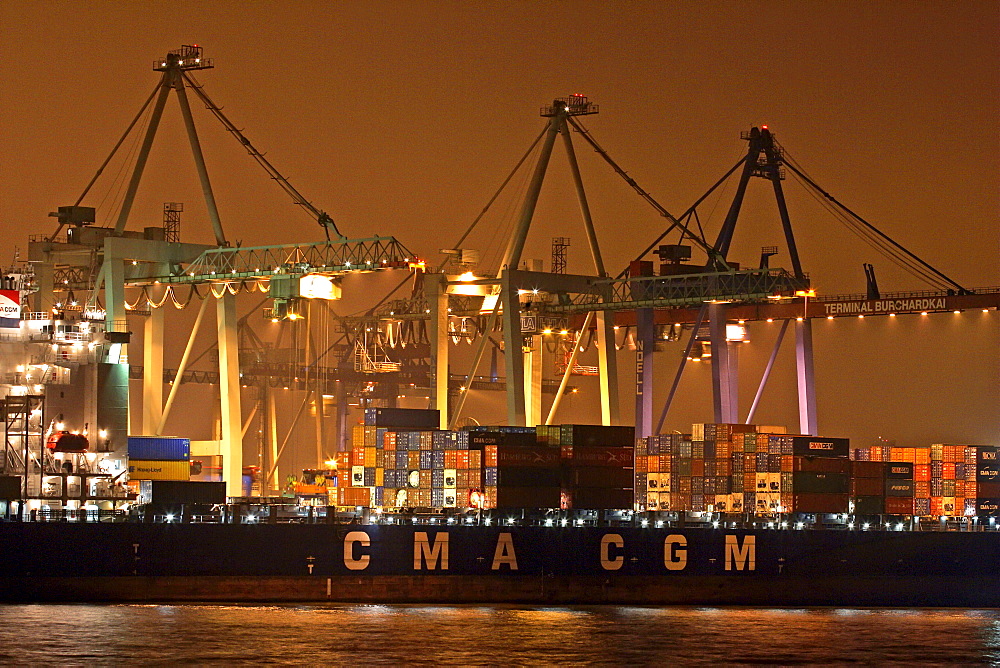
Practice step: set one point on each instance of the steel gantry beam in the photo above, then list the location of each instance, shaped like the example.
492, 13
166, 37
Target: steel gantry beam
327, 257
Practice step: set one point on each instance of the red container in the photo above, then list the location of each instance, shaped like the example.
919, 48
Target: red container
819, 503
353, 496
868, 469
821, 465
524, 456
899, 505
587, 455
867, 486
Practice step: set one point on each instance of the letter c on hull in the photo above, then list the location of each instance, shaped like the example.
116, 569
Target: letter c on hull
607, 563
361, 563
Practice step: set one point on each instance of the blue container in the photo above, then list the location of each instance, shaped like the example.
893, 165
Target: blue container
379, 495
369, 477
401, 459
491, 475
437, 459
437, 497
438, 439
159, 448
426, 459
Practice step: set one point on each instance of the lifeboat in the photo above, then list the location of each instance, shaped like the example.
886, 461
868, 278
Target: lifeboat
64, 441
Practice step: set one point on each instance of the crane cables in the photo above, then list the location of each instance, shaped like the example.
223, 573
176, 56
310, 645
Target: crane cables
498, 191
674, 222
321, 216
871, 235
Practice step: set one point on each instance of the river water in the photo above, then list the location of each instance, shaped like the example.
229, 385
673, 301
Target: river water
465, 635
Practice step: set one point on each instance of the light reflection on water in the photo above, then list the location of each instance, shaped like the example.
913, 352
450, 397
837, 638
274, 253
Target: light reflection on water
367, 634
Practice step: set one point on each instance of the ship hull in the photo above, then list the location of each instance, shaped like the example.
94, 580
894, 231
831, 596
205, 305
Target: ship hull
538, 565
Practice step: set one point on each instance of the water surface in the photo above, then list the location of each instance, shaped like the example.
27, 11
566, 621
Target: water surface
367, 634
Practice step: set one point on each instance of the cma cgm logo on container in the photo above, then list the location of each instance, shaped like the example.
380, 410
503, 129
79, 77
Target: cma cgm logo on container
10, 308
821, 445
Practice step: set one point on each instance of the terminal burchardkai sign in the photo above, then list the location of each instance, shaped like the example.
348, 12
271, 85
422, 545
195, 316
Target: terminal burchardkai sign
886, 306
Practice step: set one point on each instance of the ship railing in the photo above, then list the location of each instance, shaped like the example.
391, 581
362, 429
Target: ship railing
46, 514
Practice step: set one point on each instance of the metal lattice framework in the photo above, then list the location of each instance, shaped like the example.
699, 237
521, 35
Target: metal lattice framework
328, 257
751, 285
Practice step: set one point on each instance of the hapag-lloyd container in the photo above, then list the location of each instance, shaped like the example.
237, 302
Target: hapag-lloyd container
159, 470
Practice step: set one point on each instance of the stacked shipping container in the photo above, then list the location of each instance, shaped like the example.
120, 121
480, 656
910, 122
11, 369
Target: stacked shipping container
736, 468
729, 468
939, 480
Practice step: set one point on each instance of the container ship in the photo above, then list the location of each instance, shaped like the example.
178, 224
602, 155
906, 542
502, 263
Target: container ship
98, 504
726, 515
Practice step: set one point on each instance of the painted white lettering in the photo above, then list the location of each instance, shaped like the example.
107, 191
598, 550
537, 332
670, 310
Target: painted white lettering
504, 554
675, 557
607, 563
352, 538
425, 553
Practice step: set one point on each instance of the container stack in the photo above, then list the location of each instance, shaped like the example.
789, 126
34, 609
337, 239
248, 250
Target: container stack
868, 486
820, 474
939, 480
653, 469
900, 488
400, 460
597, 466
985, 493
159, 458
735, 468
518, 472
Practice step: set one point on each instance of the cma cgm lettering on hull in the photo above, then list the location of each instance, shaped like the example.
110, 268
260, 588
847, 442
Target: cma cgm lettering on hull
432, 552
